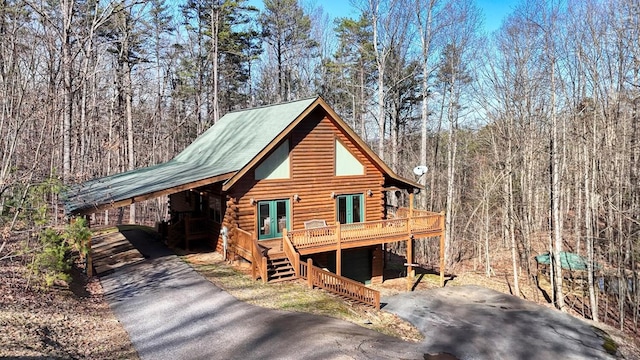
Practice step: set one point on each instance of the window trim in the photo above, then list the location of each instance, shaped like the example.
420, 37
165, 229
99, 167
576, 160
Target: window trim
219, 217
349, 204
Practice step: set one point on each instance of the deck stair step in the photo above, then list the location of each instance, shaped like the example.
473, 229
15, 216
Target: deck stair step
280, 270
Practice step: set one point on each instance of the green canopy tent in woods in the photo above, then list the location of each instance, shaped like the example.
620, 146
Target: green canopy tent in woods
568, 260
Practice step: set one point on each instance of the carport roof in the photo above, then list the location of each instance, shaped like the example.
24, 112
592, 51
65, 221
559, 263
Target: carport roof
214, 156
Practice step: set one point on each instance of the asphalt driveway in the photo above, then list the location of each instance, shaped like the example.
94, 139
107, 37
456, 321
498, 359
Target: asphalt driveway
172, 312
472, 322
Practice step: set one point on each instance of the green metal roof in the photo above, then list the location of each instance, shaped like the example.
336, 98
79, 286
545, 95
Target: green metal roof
224, 148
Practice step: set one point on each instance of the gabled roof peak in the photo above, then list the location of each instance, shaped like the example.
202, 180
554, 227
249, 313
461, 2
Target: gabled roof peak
282, 103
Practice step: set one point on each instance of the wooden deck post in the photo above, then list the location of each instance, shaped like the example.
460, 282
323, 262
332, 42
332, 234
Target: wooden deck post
410, 271
265, 275
254, 271
410, 214
310, 273
411, 197
442, 259
338, 251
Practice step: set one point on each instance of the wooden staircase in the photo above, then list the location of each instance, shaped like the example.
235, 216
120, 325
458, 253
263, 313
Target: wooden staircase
280, 269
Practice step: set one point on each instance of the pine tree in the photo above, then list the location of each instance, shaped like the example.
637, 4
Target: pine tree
287, 30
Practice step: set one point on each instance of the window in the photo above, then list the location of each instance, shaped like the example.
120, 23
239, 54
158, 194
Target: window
273, 217
346, 163
276, 165
350, 208
215, 208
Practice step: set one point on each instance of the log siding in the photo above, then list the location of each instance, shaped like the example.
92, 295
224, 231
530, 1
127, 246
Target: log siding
312, 156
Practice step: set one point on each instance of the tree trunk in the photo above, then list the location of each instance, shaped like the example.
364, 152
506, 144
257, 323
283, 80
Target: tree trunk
425, 39
556, 217
510, 210
67, 89
215, 24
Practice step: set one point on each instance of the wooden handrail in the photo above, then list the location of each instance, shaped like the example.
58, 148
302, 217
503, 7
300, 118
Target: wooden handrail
403, 212
304, 270
291, 253
313, 237
339, 285
327, 280
258, 261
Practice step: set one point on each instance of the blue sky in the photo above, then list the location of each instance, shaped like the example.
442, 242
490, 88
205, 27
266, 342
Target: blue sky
494, 10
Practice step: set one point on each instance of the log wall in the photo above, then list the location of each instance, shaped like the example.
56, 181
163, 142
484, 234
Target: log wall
312, 178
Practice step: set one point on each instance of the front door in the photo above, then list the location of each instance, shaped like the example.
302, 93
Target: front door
350, 208
273, 217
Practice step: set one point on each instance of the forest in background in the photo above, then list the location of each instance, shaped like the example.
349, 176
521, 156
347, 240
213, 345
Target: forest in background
530, 133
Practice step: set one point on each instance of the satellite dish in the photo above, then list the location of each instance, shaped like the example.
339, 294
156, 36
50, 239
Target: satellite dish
420, 170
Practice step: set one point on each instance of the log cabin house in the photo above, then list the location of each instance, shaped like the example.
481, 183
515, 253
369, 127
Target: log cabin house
290, 188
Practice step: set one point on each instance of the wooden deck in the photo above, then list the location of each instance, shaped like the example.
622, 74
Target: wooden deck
407, 225
346, 236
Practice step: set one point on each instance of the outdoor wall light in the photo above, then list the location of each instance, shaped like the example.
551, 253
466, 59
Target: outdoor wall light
333, 195
369, 192
296, 197
252, 201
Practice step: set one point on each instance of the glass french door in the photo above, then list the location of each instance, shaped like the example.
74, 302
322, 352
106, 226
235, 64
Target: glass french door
273, 217
350, 208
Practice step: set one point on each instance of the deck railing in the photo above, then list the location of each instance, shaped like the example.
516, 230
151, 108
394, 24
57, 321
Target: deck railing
327, 280
403, 212
373, 229
425, 223
313, 237
197, 225
304, 270
414, 223
291, 253
341, 286
258, 261
421, 223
